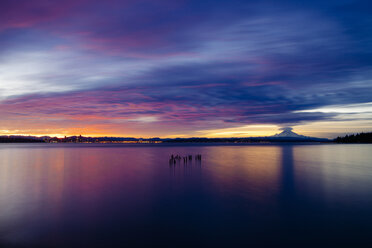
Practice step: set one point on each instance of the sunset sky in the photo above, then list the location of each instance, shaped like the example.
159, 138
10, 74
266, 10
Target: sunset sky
182, 68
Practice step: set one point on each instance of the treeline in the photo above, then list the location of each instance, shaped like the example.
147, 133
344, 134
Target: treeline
6, 139
355, 138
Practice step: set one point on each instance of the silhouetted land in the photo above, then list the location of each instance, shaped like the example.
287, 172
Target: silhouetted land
20, 139
82, 139
244, 140
355, 138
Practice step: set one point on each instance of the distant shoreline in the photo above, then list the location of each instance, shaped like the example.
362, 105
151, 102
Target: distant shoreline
361, 138
165, 145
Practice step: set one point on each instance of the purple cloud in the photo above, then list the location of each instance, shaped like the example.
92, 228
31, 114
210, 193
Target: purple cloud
181, 65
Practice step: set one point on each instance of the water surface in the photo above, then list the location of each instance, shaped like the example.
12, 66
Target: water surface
89, 195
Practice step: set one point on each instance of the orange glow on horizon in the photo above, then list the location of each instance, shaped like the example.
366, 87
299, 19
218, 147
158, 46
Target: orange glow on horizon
319, 129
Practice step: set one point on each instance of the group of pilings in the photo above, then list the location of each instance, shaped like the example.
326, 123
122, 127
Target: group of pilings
186, 159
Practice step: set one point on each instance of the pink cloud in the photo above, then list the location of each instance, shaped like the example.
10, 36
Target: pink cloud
24, 14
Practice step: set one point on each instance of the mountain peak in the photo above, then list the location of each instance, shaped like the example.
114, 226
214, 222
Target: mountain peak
288, 133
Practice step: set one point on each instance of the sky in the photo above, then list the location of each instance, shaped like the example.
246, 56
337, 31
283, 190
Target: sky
185, 68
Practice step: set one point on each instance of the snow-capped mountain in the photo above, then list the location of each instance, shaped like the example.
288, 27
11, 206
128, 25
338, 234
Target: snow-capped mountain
288, 133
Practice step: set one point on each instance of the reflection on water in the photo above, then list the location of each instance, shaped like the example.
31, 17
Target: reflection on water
117, 195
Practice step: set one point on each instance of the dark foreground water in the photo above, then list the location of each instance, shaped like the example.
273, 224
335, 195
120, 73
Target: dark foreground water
128, 196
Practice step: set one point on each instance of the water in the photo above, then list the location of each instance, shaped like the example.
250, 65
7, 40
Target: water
88, 195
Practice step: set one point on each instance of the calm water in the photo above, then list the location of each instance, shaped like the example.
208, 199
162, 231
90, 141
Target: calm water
128, 196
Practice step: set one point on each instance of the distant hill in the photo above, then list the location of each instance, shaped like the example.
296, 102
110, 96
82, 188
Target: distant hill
20, 139
355, 138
